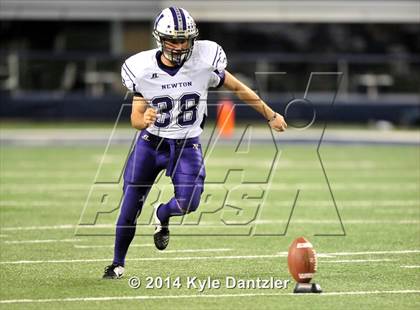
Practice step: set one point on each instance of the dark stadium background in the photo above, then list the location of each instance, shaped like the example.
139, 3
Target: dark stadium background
58, 64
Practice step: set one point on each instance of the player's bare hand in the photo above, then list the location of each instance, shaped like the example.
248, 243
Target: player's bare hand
278, 123
150, 116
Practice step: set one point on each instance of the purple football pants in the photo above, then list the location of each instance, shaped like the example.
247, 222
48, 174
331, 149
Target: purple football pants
183, 161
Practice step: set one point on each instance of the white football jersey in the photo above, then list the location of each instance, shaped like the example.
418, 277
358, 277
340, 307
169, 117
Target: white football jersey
180, 94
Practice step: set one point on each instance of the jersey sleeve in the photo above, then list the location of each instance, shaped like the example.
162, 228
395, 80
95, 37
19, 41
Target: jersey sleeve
219, 64
129, 79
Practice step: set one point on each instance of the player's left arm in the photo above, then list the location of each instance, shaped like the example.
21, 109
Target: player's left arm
246, 94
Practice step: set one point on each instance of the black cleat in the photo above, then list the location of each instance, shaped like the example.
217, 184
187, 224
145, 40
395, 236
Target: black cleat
161, 236
113, 272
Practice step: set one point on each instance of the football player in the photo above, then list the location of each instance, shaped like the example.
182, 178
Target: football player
170, 85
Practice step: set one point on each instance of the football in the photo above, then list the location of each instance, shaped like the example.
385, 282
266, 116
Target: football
302, 260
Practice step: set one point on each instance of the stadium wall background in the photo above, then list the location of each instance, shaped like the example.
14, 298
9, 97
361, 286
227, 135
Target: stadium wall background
54, 70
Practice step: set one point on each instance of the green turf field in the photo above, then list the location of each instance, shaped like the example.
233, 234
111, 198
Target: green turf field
240, 230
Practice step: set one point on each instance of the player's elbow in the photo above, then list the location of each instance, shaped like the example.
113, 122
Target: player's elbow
232, 85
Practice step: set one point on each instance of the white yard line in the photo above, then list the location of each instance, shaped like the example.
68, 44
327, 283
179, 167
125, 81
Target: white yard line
238, 224
373, 253
64, 261
314, 203
208, 224
357, 261
228, 161
315, 186
39, 203
335, 221
411, 266
152, 245
111, 298
281, 254
110, 246
369, 292
40, 241
332, 255
64, 226
58, 227
196, 250
56, 174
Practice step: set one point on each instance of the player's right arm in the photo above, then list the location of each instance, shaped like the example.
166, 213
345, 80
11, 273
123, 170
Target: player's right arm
142, 115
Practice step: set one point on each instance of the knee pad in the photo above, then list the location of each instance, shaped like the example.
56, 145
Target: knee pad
137, 192
132, 203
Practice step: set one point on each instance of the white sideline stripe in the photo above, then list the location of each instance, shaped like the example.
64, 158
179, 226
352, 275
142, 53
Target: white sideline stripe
373, 253
358, 260
318, 255
65, 226
210, 223
316, 203
332, 255
41, 241
36, 203
196, 250
281, 254
229, 161
388, 204
214, 162
108, 298
338, 186
110, 246
336, 221
152, 245
235, 224
366, 293
410, 266
68, 174
139, 259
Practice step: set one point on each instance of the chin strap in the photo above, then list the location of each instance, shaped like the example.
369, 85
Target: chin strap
169, 57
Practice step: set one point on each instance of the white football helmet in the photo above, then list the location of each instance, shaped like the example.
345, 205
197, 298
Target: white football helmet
175, 24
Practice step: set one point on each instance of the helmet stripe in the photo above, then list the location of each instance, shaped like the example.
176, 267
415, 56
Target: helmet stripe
157, 20
179, 17
184, 22
174, 17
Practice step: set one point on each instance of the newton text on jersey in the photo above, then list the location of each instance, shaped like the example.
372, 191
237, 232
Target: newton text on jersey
177, 85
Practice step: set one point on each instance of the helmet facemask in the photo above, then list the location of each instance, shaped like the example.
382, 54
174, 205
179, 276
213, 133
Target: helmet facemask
175, 55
